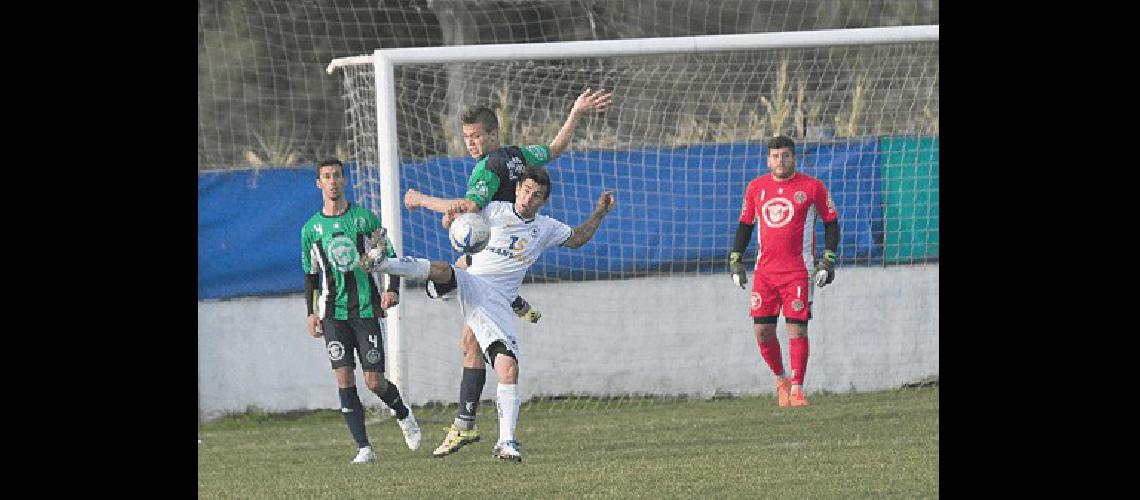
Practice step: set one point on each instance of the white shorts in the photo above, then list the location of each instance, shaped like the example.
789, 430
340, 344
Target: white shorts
487, 311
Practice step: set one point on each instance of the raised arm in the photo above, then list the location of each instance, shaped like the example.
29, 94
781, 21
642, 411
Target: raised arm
414, 199
586, 230
596, 100
450, 207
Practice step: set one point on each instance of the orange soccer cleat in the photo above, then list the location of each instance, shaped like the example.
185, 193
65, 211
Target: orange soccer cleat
782, 387
797, 396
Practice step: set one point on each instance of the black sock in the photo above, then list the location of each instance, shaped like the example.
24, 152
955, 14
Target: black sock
469, 391
353, 413
391, 397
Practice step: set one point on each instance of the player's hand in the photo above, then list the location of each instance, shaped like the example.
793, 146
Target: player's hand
595, 100
412, 199
389, 299
605, 203
315, 329
448, 217
736, 267
824, 269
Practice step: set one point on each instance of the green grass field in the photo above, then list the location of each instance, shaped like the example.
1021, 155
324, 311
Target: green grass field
874, 445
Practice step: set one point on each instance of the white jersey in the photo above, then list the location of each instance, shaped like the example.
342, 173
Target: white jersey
514, 245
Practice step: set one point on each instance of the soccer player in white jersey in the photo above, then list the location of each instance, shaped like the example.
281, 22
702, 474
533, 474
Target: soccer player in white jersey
519, 235
496, 174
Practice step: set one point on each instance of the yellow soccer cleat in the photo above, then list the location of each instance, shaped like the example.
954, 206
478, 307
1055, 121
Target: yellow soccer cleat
455, 440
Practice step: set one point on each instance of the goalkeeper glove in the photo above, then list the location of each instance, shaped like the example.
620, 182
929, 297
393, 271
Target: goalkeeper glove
825, 269
524, 310
737, 269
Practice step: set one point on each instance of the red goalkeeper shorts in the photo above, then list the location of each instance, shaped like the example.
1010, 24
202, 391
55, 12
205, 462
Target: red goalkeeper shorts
787, 291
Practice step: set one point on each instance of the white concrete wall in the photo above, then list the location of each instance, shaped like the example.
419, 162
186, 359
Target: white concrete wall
874, 328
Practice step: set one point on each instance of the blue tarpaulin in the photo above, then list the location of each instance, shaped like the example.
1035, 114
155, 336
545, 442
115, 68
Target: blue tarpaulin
676, 211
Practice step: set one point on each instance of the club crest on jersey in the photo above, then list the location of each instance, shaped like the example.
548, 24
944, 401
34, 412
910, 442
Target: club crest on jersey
373, 356
342, 252
534, 232
777, 212
515, 166
797, 305
359, 221
800, 196
336, 350
480, 189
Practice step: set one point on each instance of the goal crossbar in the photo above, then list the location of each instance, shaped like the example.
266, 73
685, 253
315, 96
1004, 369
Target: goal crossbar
645, 46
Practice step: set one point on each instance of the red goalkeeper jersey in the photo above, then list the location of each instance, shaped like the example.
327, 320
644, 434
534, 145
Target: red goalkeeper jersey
784, 213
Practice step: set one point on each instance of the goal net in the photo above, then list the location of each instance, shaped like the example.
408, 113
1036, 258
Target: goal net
646, 310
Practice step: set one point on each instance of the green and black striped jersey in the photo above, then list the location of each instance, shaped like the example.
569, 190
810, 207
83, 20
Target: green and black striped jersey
330, 246
497, 173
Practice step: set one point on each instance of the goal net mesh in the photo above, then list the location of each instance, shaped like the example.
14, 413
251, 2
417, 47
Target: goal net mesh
645, 312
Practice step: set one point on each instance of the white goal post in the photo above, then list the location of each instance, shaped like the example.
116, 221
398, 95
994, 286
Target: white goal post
383, 63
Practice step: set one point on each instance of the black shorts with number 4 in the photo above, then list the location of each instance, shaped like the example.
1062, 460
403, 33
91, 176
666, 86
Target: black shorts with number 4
362, 335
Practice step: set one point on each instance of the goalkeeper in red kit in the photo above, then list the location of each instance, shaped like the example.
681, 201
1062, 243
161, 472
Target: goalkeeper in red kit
785, 205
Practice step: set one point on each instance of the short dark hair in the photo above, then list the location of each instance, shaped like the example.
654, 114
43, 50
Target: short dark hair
782, 141
539, 175
483, 115
328, 163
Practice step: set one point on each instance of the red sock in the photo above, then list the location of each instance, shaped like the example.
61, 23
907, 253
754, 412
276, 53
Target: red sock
798, 351
770, 351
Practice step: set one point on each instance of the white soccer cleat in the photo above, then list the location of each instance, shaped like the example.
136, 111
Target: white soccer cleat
507, 451
411, 430
378, 253
365, 455
371, 260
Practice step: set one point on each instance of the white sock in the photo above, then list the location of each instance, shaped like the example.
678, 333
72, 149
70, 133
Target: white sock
508, 405
408, 267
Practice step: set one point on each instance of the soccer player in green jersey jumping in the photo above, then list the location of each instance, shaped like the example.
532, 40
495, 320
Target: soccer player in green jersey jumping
497, 172
345, 305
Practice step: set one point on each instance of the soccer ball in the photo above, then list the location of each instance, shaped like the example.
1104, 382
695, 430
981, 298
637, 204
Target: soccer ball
469, 233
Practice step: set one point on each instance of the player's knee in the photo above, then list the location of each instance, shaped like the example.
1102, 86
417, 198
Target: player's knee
472, 358
469, 343
504, 362
797, 328
441, 273
764, 331
375, 382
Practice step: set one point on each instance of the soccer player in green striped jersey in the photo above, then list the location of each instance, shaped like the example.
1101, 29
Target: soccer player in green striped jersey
345, 307
496, 174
